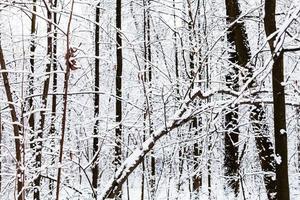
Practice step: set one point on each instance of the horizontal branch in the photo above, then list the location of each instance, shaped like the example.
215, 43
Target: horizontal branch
53, 179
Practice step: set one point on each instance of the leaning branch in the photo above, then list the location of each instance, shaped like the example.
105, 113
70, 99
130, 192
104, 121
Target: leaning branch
183, 116
16, 128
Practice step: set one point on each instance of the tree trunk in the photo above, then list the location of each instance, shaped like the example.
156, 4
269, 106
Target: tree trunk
69, 65
234, 38
52, 132
196, 152
31, 76
38, 140
264, 147
257, 114
148, 95
119, 56
95, 167
231, 163
281, 148
177, 98
1, 129
16, 127
298, 142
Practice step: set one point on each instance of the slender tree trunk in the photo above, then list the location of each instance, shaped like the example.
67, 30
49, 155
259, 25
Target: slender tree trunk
31, 120
207, 85
1, 129
31, 76
95, 167
297, 110
118, 130
176, 60
281, 146
38, 139
196, 152
52, 132
16, 127
148, 81
69, 65
143, 181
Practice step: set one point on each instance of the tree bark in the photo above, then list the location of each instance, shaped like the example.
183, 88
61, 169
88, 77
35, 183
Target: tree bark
231, 162
95, 167
52, 131
257, 113
38, 140
119, 70
281, 146
196, 152
16, 127
265, 147
69, 65
177, 98
31, 76
1, 129
148, 95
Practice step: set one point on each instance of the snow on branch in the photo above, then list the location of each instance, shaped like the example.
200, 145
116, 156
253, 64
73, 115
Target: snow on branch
129, 165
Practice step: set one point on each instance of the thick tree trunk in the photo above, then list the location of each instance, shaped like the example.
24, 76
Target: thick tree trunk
265, 147
281, 148
231, 162
95, 167
257, 115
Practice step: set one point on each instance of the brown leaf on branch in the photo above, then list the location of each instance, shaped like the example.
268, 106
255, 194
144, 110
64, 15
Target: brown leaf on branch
70, 59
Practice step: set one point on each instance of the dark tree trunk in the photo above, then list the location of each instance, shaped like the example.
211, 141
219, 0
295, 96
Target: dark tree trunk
235, 40
69, 66
257, 114
231, 163
31, 76
264, 147
118, 130
281, 148
298, 141
38, 140
176, 60
148, 81
16, 127
1, 128
54, 89
95, 167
